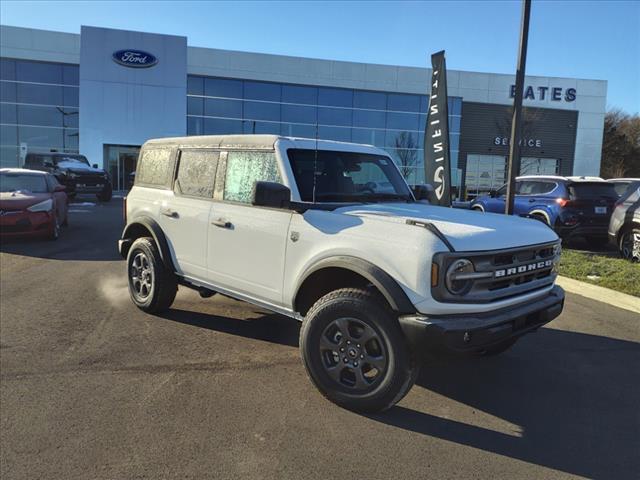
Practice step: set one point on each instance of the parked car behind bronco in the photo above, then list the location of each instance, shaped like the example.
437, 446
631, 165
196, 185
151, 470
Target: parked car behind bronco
572, 206
74, 172
624, 227
32, 204
330, 234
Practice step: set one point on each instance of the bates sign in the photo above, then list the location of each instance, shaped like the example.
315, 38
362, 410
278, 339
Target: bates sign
134, 58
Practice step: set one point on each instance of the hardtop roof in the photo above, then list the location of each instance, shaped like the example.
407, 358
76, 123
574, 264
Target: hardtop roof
259, 142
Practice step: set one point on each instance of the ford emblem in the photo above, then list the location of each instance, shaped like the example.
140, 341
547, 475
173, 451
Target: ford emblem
134, 58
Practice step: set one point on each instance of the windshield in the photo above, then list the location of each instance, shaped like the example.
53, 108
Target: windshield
346, 177
12, 182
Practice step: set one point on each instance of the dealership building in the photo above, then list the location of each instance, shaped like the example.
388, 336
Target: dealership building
104, 92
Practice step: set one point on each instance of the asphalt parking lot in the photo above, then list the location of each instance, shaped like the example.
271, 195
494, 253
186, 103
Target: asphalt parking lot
90, 387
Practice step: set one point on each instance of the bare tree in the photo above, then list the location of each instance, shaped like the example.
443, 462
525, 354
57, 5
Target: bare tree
620, 145
406, 147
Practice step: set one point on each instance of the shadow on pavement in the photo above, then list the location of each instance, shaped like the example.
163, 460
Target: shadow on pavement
574, 396
271, 328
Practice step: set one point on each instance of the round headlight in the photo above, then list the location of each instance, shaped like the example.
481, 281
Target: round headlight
455, 281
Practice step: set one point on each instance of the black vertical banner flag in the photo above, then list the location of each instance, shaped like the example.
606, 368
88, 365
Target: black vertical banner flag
437, 165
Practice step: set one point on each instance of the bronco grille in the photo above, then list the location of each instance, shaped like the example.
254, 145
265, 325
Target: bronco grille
501, 273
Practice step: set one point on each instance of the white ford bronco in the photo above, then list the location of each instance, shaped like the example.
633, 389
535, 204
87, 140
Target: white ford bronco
330, 234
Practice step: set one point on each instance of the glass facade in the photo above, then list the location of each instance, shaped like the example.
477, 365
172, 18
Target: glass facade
392, 121
39, 108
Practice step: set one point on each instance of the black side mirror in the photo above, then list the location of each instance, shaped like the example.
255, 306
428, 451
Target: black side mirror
493, 193
271, 194
95, 165
424, 192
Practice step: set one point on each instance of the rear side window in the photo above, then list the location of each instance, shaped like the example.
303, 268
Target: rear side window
526, 187
196, 173
592, 190
537, 188
155, 167
246, 168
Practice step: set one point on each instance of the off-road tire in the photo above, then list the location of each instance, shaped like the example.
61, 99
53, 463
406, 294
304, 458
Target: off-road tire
163, 285
362, 308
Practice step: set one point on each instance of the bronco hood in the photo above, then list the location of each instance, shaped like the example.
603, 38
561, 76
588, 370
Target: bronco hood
466, 230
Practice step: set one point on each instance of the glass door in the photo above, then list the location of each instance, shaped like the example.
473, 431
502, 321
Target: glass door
484, 173
121, 161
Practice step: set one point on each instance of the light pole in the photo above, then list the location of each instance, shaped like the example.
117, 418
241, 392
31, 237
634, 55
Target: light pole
514, 142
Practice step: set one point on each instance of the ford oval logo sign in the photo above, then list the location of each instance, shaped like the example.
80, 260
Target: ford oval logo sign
134, 58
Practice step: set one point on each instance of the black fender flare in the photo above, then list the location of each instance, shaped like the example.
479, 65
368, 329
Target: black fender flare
392, 292
158, 236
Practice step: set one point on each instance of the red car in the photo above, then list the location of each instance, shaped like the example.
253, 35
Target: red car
31, 204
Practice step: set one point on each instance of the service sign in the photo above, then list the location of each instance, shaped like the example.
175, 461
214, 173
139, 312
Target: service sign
134, 58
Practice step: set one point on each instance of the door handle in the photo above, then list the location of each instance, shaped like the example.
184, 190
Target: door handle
169, 213
531, 200
221, 223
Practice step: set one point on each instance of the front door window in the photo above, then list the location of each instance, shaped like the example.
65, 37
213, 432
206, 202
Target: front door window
246, 168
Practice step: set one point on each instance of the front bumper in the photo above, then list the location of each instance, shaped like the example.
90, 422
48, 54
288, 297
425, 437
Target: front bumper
25, 223
473, 333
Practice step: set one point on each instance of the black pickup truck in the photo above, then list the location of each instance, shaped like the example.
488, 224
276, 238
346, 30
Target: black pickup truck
74, 172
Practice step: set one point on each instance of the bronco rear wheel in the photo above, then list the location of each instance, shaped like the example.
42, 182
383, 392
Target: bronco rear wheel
152, 286
355, 352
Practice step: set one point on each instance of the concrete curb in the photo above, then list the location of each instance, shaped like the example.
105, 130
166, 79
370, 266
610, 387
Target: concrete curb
601, 294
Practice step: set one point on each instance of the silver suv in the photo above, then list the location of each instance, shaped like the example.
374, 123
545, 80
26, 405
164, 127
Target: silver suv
330, 234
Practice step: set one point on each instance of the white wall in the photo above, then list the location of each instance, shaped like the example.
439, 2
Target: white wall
126, 106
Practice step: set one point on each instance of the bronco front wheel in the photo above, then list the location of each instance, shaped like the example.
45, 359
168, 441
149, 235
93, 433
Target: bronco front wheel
355, 352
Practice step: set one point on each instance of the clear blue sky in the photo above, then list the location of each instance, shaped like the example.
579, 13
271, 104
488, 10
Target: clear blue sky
598, 39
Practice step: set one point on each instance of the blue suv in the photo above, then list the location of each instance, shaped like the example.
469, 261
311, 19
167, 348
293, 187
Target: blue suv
572, 206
